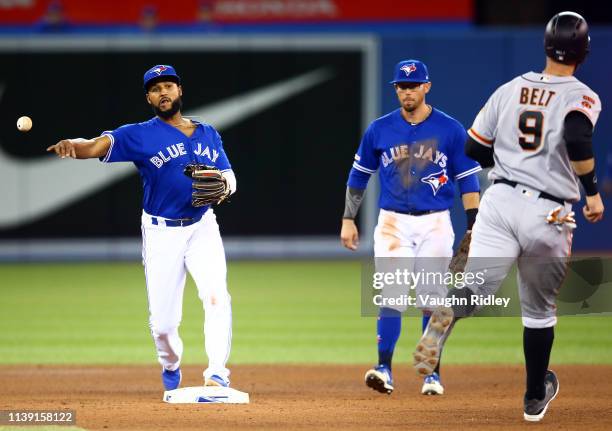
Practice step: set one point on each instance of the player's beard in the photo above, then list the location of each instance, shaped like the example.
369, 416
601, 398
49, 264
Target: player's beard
412, 105
177, 105
409, 108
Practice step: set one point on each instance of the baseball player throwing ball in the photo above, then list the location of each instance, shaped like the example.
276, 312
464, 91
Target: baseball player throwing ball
418, 151
184, 170
535, 131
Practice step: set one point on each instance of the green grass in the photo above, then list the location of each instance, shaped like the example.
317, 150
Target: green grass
285, 312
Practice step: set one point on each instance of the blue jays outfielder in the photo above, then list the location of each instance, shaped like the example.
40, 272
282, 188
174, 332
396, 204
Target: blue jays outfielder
418, 151
179, 232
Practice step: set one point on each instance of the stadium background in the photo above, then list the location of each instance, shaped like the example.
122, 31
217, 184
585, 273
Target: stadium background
71, 285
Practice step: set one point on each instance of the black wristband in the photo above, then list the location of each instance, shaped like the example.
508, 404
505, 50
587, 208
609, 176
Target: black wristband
471, 217
589, 182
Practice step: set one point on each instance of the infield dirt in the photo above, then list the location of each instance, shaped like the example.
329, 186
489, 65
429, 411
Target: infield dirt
310, 397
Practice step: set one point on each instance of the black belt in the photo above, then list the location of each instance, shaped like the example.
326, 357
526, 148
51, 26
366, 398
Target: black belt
542, 195
175, 222
416, 213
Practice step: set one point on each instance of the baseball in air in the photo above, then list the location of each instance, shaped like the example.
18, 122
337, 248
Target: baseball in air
24, 124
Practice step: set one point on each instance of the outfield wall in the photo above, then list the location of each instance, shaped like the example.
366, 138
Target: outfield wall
291, 157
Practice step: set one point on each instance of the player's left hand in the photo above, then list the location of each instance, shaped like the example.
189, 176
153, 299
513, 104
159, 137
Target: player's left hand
594, 208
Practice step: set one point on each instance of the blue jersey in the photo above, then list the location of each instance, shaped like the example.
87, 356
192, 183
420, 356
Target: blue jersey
161, 152
419, 164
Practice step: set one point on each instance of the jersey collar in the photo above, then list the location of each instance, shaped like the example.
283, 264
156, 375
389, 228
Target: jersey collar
164, 124
402, 120
548, 79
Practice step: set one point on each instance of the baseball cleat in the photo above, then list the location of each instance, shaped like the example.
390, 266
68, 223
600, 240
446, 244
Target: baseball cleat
536, 409
429, 348
171, 379
379, 378
216, 380
432, 385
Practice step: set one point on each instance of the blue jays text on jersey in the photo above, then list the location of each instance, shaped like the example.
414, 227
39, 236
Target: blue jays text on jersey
419, 164
176, 150
161, 152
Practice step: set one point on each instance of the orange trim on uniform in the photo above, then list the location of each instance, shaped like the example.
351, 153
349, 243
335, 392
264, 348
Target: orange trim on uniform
584, 111
479, 138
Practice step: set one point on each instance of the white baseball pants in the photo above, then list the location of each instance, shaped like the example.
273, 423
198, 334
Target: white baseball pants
414, 243
168, 253
511, 225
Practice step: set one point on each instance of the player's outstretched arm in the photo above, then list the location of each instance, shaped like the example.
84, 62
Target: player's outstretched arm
80, 148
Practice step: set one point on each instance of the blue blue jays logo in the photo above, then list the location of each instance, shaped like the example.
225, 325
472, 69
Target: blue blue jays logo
436, 181
408, 68
159, 70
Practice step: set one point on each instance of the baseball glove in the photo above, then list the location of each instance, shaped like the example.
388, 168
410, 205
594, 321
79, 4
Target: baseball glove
209, 185
459, 260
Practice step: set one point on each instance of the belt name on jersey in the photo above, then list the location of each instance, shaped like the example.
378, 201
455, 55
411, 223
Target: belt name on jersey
425, 151
177, 150
535, 96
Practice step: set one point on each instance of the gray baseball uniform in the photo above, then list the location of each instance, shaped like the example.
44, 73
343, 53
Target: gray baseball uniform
523, 121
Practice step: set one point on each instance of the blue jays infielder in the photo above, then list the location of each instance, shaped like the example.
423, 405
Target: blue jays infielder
177, 237
418, 151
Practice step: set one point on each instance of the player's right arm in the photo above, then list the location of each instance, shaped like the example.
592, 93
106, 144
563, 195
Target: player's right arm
594, 208
364, 165
578, 126
80, 148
